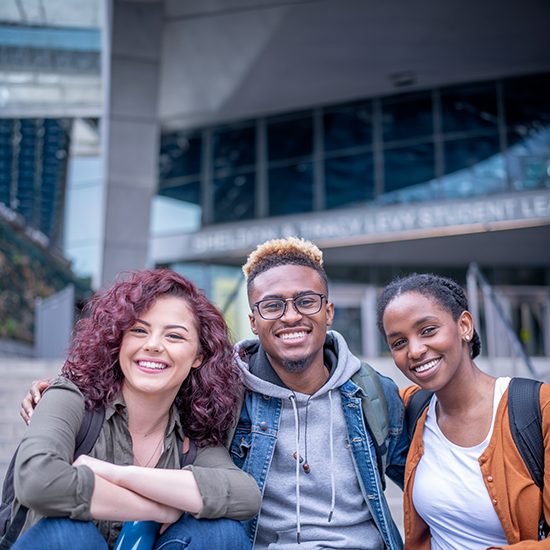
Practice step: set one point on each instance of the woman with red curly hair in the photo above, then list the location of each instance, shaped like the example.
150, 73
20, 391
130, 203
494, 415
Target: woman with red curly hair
154, 354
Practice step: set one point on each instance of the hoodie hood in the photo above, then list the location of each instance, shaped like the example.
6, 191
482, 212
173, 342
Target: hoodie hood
259, 375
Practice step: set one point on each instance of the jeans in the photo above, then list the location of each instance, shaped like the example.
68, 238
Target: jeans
188, 533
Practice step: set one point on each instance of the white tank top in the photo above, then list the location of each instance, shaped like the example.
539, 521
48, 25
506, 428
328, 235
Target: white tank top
449, 492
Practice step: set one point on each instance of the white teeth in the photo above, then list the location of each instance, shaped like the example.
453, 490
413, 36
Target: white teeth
426, 366
292, 335
151, 365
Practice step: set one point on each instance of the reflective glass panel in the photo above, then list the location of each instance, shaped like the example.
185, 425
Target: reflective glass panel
529, 160
465, 153
290, 138
25, 183
179, 156
188, 192
407, 119
469, 108
54, 155
348, 127
6, 157
291, 189
234, 198
349, 180
527, 106
485, 178
234, 147
408, 166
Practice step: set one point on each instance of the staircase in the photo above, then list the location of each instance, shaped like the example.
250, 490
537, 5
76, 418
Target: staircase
17, 375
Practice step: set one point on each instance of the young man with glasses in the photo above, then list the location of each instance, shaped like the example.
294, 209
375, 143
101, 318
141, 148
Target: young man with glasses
301, 432
301, 414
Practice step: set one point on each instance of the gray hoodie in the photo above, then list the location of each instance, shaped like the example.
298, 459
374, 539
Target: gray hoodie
298, 502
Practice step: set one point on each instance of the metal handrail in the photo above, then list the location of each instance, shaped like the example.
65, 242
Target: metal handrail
476, 275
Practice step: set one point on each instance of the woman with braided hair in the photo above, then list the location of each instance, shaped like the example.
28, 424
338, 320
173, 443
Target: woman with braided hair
466, 485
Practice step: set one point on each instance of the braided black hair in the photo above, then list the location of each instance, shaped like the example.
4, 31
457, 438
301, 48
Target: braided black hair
445, 292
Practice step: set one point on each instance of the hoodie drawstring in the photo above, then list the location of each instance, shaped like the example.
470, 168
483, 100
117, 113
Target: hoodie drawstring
297, 424
306, 465
331, 462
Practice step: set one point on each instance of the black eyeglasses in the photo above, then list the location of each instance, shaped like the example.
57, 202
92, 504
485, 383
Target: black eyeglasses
274, 308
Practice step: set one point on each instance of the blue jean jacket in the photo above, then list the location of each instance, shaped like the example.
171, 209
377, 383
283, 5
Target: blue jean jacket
255, 437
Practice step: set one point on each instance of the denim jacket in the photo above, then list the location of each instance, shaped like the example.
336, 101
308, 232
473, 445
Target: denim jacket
253, 445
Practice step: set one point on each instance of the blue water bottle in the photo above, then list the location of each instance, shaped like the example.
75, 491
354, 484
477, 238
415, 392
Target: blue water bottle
137, 535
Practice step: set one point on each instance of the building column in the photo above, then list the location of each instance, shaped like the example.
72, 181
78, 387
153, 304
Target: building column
130, 132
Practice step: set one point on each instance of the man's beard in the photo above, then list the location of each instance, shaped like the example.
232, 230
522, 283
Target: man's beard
297, 365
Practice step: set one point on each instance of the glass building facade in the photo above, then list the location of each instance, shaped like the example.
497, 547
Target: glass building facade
33, 168
453, 142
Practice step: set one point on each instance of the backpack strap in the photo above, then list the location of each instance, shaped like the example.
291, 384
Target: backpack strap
526, 428
375, 412
526, 425
11, 529
189, 457
89, 431
417, 404
14, 528
8, 494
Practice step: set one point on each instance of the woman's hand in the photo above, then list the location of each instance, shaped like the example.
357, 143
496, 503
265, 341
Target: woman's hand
33, 397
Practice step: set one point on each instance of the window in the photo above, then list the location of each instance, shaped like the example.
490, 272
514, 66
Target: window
233, 148
349, 180
180, 155
408, 165
291, 189
290, 138
407, 118
348, 127
466, 109
234, 198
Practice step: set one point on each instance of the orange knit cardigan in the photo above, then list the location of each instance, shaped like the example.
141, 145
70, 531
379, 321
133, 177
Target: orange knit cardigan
516, 498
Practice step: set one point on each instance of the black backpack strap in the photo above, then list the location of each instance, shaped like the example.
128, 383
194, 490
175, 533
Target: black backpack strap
417, 404
89, 431
189, 457
10, 528
14, 529
526, 428
526, 425
8, 494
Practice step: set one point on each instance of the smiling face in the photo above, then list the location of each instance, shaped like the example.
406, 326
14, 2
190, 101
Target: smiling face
160, 349
294, 342
428, 346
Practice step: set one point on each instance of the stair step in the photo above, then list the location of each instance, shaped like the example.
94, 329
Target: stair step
17, 375
14, 429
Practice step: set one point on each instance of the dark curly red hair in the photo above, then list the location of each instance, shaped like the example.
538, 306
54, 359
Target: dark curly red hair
208, 397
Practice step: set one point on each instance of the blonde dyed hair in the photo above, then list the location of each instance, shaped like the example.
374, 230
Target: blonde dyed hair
289, 251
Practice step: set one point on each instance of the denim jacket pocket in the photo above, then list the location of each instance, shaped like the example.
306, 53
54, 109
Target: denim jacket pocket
240, 447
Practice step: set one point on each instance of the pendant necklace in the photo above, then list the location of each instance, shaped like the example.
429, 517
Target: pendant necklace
151, 457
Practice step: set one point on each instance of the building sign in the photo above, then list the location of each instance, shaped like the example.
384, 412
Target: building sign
362, 226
